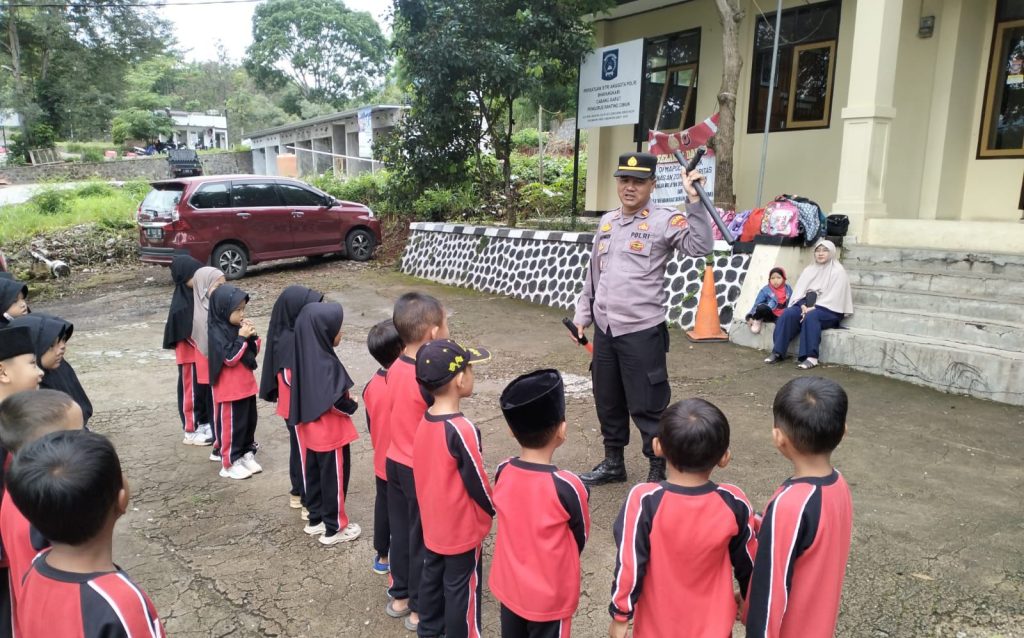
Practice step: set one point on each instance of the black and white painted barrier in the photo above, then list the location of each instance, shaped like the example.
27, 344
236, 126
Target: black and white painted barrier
549, 267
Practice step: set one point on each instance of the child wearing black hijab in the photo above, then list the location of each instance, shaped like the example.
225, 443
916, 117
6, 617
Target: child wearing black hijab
320, 411
233, 345
50, 336
276, 379
193, 408
13, 300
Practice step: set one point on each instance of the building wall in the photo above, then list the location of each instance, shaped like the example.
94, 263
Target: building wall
931, 169
144, 167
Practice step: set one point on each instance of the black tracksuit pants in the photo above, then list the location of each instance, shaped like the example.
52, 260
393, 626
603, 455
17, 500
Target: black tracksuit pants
407, 550
381, 527
630, 378
450, 595
515, 626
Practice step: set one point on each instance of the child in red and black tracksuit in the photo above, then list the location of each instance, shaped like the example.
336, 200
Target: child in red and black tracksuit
276, 379
681, 540
384, 346
419, 318
74, 588
233, 348
193, 410
321, 405
25, 417
204, 282
543, 516
804, 540
453, 493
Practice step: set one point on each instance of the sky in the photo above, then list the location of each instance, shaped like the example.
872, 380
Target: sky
198, 28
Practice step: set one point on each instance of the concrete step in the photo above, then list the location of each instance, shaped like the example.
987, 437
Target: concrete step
1002, 335
1005, 309
949, 366
953, 284
882, 258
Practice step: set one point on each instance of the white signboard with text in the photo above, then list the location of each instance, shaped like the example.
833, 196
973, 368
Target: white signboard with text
670, 191
610, 81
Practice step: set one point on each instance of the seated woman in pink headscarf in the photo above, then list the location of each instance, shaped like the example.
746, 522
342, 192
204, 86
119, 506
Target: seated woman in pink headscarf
822, 298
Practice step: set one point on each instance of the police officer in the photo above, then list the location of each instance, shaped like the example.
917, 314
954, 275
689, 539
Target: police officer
624, 296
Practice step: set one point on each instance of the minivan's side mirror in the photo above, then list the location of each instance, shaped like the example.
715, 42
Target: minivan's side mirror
330, 202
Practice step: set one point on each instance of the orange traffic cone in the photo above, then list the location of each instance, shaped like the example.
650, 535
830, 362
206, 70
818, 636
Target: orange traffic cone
707, 327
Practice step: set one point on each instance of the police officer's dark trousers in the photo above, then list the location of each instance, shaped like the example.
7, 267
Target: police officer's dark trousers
630, 380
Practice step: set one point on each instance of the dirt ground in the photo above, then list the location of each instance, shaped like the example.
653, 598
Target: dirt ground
936, 479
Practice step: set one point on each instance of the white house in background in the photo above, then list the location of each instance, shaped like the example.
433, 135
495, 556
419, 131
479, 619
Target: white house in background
340, 141
198, 130
9, 123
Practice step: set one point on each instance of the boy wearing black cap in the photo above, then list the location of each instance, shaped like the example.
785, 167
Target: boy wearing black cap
543, 516
677, 539
453, 493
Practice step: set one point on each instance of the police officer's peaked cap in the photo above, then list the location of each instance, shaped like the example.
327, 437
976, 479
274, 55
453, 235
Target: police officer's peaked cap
640, 165
534, 401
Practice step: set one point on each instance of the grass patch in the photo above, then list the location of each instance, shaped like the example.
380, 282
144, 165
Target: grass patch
53, 209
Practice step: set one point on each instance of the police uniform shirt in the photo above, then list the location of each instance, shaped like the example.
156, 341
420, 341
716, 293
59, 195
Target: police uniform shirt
627, 265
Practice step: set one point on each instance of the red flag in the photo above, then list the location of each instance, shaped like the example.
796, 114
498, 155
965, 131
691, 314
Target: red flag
691, 138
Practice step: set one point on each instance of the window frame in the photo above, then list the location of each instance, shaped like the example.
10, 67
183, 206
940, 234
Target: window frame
270, 186
988, 99
831, 45
690, 90
761, 80
199, 191
640, 130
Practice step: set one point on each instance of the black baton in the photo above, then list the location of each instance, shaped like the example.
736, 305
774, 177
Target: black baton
708, 204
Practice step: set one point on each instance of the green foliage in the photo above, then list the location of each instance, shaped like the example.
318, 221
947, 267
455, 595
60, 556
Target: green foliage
439, 204
139, 124
330, 53
114, 210
40, 135
92, 155
527, 139
136, 189
92, 189
50, 202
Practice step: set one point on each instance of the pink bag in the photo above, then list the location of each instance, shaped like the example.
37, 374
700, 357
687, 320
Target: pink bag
781, 218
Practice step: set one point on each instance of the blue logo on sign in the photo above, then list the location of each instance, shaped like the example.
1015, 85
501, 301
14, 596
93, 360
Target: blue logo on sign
610, 65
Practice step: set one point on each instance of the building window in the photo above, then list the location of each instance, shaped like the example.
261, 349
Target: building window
1002, 124
806, 72
670, 82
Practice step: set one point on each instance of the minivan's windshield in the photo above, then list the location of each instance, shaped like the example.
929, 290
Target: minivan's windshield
161, 202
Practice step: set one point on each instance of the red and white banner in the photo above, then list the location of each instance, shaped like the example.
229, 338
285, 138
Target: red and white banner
691, 138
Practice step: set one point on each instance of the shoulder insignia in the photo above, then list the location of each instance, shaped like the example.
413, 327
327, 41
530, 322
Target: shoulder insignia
679, 221
645, 213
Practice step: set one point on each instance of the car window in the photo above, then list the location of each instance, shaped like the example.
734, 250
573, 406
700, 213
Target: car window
298, 196
213, 195
161, 201
254, 195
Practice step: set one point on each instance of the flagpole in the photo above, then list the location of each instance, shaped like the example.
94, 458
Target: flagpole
768, 113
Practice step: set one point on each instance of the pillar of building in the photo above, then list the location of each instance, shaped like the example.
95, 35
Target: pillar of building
869, 113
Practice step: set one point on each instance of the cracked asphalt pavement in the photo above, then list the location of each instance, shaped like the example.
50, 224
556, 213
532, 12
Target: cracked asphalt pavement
937, 480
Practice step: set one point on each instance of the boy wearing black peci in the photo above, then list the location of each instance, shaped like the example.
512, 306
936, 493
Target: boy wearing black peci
543, 516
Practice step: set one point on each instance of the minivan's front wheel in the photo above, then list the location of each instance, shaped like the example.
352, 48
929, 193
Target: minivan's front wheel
359, 244
231, 260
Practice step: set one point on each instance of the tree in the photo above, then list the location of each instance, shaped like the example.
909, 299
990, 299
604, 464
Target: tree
139, 124
327, 51
469, 60
730, 15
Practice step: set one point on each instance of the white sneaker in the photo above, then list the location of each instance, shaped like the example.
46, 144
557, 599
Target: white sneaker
237, 471
350, 533
304, 514
294, 501
190, 438
214, 456
206, 429
249, 462
315, 530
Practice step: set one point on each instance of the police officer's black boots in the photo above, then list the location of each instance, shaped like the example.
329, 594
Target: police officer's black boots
611, 470
657, 472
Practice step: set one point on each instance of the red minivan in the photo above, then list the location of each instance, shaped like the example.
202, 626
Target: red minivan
233, 221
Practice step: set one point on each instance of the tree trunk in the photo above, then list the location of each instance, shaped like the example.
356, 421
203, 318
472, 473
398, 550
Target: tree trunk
14, 46
510, 204
730, 15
